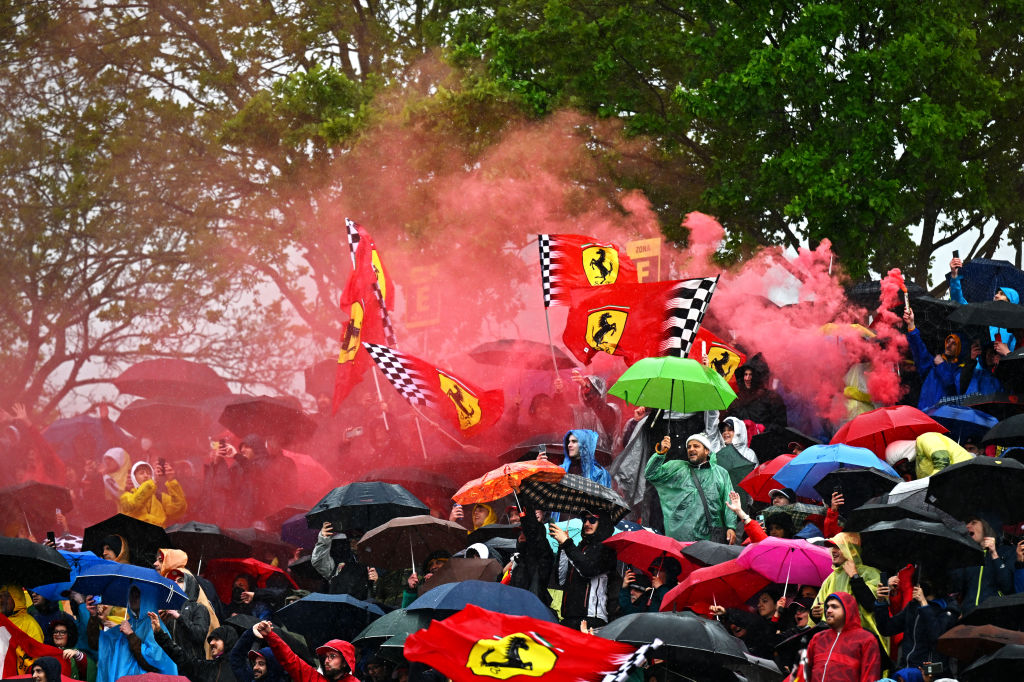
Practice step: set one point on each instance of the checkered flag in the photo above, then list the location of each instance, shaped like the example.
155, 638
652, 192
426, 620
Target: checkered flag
544, 244
566, 258
358, 238
353, 238
635, 660
684, 314
403, 372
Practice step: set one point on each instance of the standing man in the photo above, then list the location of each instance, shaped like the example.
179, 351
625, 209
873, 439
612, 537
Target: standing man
940, 375
337, 658
845, 652
694, 492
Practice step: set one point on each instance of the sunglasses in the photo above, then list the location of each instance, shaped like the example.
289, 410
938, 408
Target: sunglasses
591, 519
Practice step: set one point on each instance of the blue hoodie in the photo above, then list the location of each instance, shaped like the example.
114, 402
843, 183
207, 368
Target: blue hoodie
588, 462
956, 293
238, 657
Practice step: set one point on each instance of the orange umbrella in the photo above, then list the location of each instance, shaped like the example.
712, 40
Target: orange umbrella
506, 479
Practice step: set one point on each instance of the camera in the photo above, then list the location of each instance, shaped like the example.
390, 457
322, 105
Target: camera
931, 668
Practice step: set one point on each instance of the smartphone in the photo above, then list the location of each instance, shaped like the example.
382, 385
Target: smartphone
50, 537
956, 253
931, 668
162, 462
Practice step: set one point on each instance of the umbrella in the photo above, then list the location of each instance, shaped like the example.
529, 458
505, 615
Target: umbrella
962, 421
305, 575
268, 416
205, 541
857, 486
144, 539
296, 531
803, 471
774, 442
738, 466
874, 512
552, 446
420, 482
891, 545
396, 543
639, 548
263, 544
447, 599
989, 313
241, 622
162, 420
491, 531
968, 642
1005, 611
99, 435
707, 553
981, 484
1008, 432
1005, 664
171, 379
364, 505
222, 573
397, 622
761, 479
34, 503
980, 277
685, 636
78, 561
506, 480
728, 584
999, 405
876, 429
319, 378
788, 561
112, 581
458, 569
520, 353
286, 512
1010, 371
573, 494
321, 617
801, 513
27, 563
676, 384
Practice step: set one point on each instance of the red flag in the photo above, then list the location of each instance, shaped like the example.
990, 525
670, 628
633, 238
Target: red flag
637, 320
476, 644
18, 650
469, 408
570, 261
723, 357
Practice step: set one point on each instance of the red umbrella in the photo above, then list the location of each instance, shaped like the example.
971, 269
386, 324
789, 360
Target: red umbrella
728, 585
876, 429
171, 379
222, 573
639, 548
506, 479
761, 481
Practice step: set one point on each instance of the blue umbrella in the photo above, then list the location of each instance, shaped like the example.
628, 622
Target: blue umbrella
321, 617
806, 469
104, 435
112, 581
78, 561
506, 599
962, 421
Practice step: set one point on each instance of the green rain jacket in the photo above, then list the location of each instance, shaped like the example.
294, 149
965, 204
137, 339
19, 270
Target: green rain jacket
680, 502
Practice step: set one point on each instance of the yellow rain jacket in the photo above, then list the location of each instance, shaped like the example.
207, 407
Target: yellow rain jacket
839, 581
935, 452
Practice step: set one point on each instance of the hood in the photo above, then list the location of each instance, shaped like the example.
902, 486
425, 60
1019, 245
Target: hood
136, 467
258, 445
1011, 294
959, 345
597, 384
605, 529
849, 545
900, 450
491, 516
346, 650
18, 595
191, 584
119, 457
739, 433
910, 675
68, 622
171, 559
115, 483
226, 634
481, 550
851, 608
436, 554
50, 666
274, 669
588, 444
759, 380
119, 546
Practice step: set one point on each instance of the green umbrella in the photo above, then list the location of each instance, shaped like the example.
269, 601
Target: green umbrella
676, 384
736, 464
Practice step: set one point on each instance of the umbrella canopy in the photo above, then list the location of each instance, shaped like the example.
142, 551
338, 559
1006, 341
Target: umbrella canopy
1007, 663
268, 416
144, 539
685, 636
989, 313
1005, 611
447, 599
728, 584
891, 545
458, 569
639, 548
163, 419
738, 466
707, 553
676, 384
573, 494
263, 544
395, 544
321, 617
364, 505
857, 486
876, 511
962, 421
420, 482
34, 503
1009, 432
981, 277
1010, 371
296, 531
775, 442
810, 466
27, 563
112, 582
506, 479
487, 533
761, 479
968, 642
153, 677
78, 561
397, 622
550, 444
222, 573
171, 379
801, 513
787, 561
205, 541
999, 405
982, 484
874, 430
96, 435
521, 353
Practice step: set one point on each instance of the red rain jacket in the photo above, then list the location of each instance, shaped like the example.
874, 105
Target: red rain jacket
849, 655
299, 670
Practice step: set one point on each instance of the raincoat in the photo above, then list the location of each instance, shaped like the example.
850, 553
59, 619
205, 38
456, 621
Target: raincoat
197, 620
300, 671
956, 293
116, 658
681, 505
867, 580
937, 381
115, 483
20, 616
935, 452
588, 461
849, 654
920, 626
740, 441
143, 503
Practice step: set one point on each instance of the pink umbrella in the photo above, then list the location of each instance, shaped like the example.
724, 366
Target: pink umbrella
787, 561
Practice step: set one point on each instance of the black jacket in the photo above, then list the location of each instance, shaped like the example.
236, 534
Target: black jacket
585, 584
238, 659
201, 669
921, 627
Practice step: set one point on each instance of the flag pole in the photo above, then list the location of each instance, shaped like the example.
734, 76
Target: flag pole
551, 344
380, 400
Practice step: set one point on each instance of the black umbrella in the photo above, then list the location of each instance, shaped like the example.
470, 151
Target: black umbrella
302, 571
891, 545
967, 643
1005, 611
171, 379
1005, 664
686, 637
397, 622
775, 441
321, 617
144, 539
263, 544
268, 416
98, 435
364, 506
1010, 371
552, 446
205, 541
163, 420
34, 503
857, 486
989, 313
520, 354
999, 405
981, 484
1009, 432
573, 494
29, 564
877, 511
709, 553
485, 534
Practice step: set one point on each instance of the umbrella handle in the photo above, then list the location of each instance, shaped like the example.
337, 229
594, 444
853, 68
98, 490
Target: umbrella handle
412, 555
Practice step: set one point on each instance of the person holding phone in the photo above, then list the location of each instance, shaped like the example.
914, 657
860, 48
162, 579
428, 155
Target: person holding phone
155, 496
921, 621
584, 570
1004, 342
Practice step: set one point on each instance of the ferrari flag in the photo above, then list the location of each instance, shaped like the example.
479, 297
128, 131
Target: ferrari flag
476, 645
570, 261
467, 407
721, 356
18, 651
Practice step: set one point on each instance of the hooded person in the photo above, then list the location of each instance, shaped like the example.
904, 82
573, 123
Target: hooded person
935, 451
481, 515
956, 293
48, 669
169, 560
921, 622
940, 375
850, 575
248, 665
435, 560
14, 605
755, 400
594, 412
980, 377
845, 652
213, 668
191, 625
580, 447
117, 466
734, 433
530, 565
754, 631
131, 648
143, 501
994, 576
115, 548
62, 632
584, 570
337, 658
